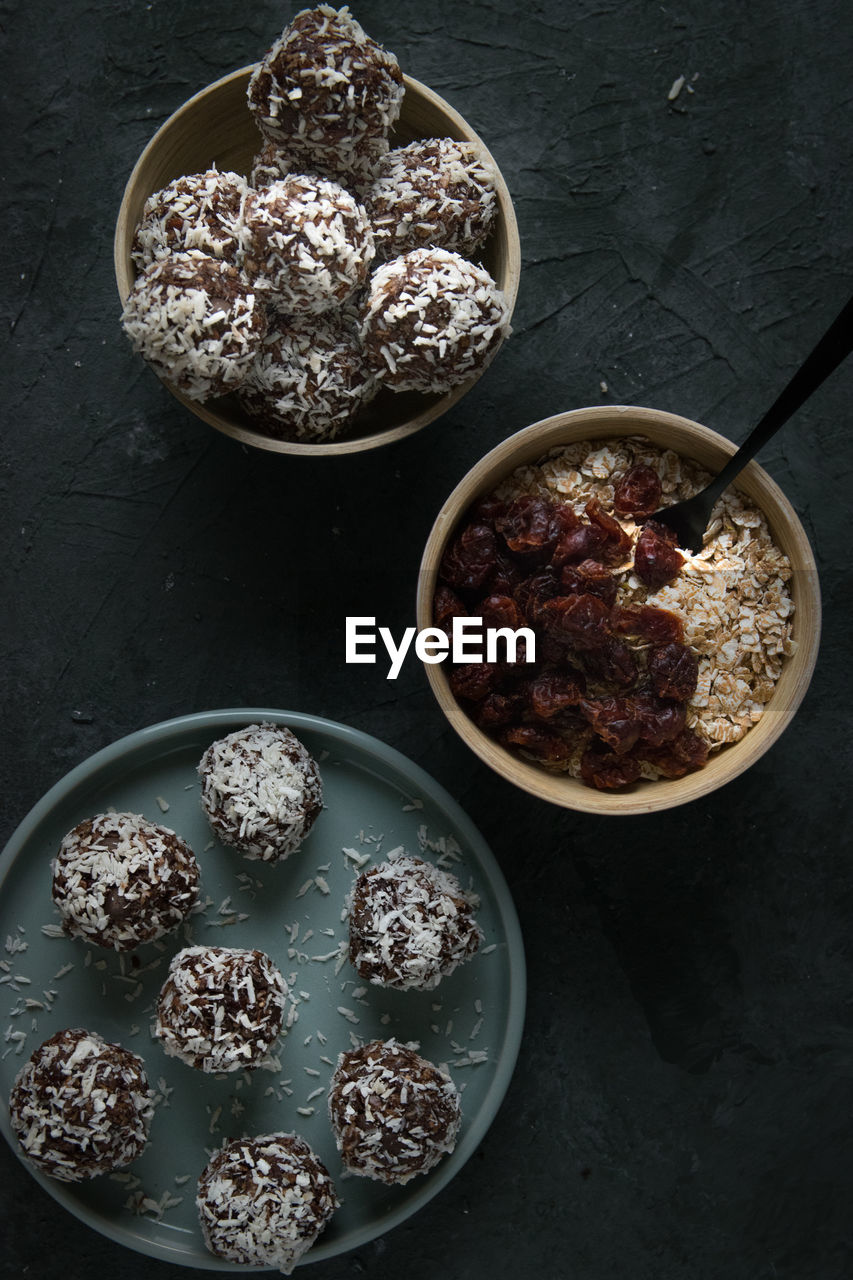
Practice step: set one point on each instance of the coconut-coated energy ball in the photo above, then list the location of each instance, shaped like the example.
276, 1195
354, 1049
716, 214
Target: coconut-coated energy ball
393, 1113
263, 1201
261, 791
410, 924
195, 319
432, 320
220, 1008
309, 380
120, 880
434, 192
81, 1107
308, 244
354, 170
326, 89
201, 211
272, 163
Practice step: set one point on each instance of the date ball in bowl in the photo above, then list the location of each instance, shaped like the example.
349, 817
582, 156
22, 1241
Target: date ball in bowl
263, 136
640, 676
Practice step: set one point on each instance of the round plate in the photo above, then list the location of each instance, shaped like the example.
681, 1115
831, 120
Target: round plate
375, 800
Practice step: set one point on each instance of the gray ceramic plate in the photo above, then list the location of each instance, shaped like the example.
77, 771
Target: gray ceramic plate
375, 800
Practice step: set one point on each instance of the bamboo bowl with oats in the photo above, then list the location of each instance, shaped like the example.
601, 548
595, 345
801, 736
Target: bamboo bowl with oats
711, 451
215, 127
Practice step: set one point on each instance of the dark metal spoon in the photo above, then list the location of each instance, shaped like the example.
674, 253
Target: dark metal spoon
689, 519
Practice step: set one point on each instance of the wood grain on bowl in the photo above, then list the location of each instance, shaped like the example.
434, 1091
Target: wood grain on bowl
215, 128
689, 439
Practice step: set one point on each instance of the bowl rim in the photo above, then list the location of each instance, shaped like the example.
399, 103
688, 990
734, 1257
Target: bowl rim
599, 421
124, 280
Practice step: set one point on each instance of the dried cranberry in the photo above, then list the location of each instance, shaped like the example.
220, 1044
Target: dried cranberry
487, 510
446, 606
473, 680
638, 492
613, 662
674, 671
497, 709
659, 626
553, 692
500, 611
657, 559
549, 652
614, 720
544, 744
505, 576
470, 558
531, 593
529, 527
581, 621
617, 543
659, 721
589, 576
686, 753
583, 542
607, 771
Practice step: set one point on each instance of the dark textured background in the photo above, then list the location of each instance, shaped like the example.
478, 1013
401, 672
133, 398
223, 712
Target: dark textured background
682, 1104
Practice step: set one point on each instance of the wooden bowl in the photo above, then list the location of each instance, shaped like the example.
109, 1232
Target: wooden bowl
711, 450
216, 128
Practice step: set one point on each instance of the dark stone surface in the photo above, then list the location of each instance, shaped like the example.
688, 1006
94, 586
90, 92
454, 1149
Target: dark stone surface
681, 1106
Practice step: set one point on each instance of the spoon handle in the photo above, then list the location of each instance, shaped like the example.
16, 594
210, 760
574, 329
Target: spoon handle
835, 344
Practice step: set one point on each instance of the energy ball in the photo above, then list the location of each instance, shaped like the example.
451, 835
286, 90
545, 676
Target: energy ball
263, 1201
410, 924
432, 320
119, 880
195, 320
81, 1107
308, 381
201, 211
220, 1008
271, 164
308, 244
326, 90
393, 1113
435, 192
261, 791
355, 171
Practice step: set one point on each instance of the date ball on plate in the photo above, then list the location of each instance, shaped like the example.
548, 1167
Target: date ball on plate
434, 192
327, 91
308, 244
410, 924
309, 380
261, 791
195, 319
432, 320
393, 1113
201, 211
120, 880
81, 1106
263, 1201
221, 1008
